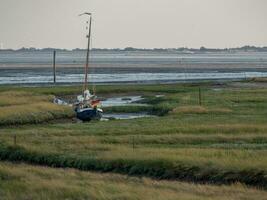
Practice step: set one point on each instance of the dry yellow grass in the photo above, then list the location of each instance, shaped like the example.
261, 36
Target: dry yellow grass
25, 107
190, 109
220, 110
28, 182
259, 79
20, 98
34, 113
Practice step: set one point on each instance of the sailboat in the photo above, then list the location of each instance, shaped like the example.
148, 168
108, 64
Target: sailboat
87, 105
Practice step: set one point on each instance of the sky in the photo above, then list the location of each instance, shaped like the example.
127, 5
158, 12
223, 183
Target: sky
133, 23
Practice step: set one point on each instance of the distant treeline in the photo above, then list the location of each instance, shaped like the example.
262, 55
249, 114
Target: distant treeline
131, 49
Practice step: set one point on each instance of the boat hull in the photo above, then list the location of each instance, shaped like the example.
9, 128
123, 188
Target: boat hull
89, 114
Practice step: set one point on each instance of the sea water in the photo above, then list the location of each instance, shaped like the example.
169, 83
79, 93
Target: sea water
141, 67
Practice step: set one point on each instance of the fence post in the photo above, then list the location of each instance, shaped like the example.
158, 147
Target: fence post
15, 140
133, 143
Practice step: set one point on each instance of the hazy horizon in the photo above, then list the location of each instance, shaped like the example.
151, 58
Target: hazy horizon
123, 48
133, 23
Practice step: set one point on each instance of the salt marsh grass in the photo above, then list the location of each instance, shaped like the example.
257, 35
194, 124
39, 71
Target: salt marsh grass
222, 141
11, 98
28, 182
20, 107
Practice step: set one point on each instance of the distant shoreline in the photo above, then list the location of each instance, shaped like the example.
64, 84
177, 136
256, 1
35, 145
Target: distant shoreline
155, 50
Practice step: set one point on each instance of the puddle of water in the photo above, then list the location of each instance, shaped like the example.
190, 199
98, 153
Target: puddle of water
160, 95
125, 116
217, 89
121, 101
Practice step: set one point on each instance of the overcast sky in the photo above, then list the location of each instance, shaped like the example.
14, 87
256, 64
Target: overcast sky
136, 23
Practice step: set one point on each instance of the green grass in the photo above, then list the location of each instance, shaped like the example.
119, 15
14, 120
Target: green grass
128, 109
101, 89
222, 141
11, 98
28, 182
183, 164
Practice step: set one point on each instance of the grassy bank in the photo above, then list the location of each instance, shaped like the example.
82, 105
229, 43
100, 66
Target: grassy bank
220, 138
28, 182
21, 107
168, 167
101, 89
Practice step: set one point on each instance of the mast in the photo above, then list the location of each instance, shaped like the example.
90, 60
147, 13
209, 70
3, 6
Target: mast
85, 87
87, 56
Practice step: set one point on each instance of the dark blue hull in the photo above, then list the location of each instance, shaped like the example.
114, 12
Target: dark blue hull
89, 114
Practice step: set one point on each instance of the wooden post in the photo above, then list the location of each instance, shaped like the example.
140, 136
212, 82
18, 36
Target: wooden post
15, 140
199, 96
133, 143
54, 65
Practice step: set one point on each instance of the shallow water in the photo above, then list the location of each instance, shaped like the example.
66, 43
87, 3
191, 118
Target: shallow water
121, 101
114, 58
122, 116
114, 67
25, 78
